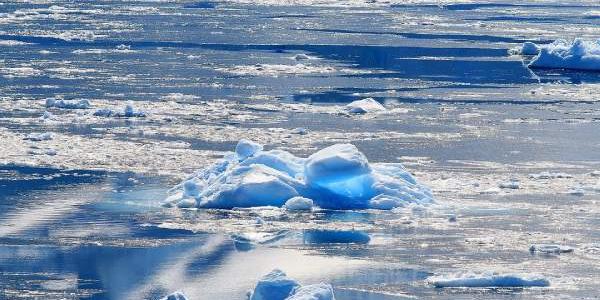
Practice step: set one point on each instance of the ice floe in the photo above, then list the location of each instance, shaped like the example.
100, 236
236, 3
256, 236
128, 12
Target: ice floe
68, 104
38, 137
549, 175
128, 112
175, 296
488, 280
511, 184
336, 177
561, 54
298, 204
550, 249
363, 106
277, 286
528, 48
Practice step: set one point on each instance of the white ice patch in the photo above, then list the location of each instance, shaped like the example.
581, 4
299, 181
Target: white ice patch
367, 105
561, 54
38, 137
550, 249
128, 112
337, 177
488, 281
68, 104
298, 204
277, 286
528, 48
13, 43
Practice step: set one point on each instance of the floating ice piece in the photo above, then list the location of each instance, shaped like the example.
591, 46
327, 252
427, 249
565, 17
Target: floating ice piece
300, 131
298, 204
175, 296
38, 137
576, 191
301, 56
337, 177
561, 54
128, 112
274, 286
550, 249
320, 291
528, 48
367, 105
68, 104
488, 281
513, 184
549, 175
595, 174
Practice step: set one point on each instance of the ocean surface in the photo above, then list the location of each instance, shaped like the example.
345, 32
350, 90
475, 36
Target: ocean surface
81, 214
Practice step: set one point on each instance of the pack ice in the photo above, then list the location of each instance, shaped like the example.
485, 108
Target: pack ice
336, 177
277, 286
561, 54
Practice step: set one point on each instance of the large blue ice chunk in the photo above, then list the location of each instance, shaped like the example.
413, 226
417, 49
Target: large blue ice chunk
274, 286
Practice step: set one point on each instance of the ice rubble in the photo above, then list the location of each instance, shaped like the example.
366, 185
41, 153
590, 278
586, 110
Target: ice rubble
363, 106
277, 286
561, 54
175, 296
488, 280
336, 177
128, 112
38, 137
68, 104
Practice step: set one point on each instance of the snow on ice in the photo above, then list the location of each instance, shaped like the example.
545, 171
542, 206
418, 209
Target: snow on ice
367, 105
337, 177
561, 54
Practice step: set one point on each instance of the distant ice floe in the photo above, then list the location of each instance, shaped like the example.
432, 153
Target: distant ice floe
337, 177
578, 54
38, 137
274, 70
549, 175
128, 112
491, 280
364, 106
175, 296
550, 249
277, 286
13, 43
68, 104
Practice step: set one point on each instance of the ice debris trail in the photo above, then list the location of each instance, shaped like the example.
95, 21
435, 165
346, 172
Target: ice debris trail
488, 280
277, 286
337, 177
561, 54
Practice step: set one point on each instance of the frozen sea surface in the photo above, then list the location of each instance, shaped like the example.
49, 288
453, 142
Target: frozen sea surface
80, 191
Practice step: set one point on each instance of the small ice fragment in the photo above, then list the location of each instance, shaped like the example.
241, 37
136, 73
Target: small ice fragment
123, 47
320, 291
301, 56
246, 148
130, 112
488, 281
51, 152
513, 184
595, 174
549, 175
550, 249
68, 104
175, 296
187, 203
274, 286
298, 204
38, 137
300, 131
452, 218
104, 112
529, 48
259, 221
367, 105
47, 115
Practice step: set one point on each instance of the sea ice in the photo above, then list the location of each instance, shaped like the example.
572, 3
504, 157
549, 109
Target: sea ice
549, 175
274, 286
68, 104
277, 286
175, 296
512, 184
578, 54
367, 105
38, 137
301, 56
528, 48
337, 177
550, 249
488, 280
128, 112
298, 204
320, 291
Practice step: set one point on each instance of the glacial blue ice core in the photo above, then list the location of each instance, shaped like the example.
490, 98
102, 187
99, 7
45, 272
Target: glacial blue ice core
336, 177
